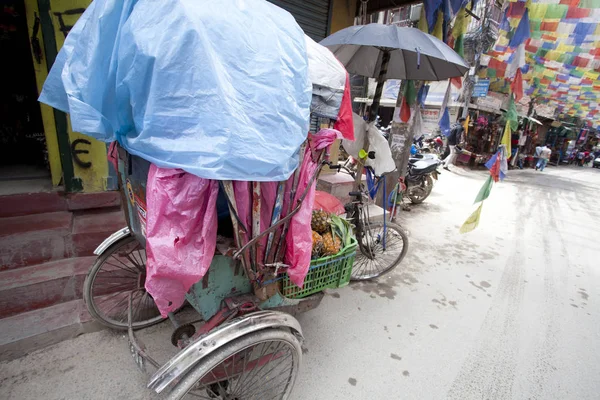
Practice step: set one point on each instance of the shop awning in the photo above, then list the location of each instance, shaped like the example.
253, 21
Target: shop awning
534, 120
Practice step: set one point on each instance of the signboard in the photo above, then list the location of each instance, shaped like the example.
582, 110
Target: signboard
481, 88
431, 119
491, 103
391, 87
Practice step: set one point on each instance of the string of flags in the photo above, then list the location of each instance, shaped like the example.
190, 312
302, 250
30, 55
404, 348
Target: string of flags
497, 166
549, 50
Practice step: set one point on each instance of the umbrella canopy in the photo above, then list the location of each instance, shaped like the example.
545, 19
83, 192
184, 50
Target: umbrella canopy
413, 54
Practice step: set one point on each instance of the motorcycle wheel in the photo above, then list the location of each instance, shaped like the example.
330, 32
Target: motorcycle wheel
419, 196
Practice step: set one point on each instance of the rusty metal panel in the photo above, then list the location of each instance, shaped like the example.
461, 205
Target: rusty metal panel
222, 280
313, 16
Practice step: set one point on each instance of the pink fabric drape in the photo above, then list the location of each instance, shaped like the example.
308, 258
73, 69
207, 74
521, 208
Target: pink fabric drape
299, 236
181, 233
182, 224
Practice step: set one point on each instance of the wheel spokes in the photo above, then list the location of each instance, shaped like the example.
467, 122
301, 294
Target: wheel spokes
381, 250
261, 371
123, 272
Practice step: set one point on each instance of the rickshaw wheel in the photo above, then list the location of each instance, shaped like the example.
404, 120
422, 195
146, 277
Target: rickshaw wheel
260, 365
116, 273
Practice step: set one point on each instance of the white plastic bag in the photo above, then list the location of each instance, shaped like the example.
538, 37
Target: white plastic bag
383, 162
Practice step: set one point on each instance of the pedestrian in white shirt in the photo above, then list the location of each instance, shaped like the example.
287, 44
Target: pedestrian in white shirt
544, 157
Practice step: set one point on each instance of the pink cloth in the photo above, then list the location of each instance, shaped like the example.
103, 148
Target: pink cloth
299, 236
328, 202
182, 225
181, 233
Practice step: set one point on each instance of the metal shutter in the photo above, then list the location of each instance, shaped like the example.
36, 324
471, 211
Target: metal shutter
311, 15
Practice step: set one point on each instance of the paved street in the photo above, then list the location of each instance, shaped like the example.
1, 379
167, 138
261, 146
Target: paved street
509, 311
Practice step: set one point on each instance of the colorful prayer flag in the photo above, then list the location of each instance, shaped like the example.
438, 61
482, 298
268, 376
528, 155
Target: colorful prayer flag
493, 164
444, 123
511, 114
404, 110
522, 31
506, 137
485, 190
517, 85
473, 221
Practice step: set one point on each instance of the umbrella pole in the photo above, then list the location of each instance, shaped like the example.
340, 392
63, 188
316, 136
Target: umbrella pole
385, 59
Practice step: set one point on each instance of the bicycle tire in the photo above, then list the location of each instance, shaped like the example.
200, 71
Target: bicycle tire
360, 272
119, 272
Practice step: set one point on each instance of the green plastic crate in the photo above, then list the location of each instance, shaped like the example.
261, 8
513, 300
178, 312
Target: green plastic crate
325, 273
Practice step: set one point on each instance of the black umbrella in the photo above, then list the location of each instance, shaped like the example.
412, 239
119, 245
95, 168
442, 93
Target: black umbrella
392, 52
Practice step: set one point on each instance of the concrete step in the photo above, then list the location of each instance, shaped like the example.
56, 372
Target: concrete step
338, 185
27, 332
90, 229
53, 201
34, 239
40, 238
31, 288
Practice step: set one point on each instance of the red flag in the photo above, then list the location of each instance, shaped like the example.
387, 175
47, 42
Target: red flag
495, 168
344, 121
517, 85
457, 82
404, 110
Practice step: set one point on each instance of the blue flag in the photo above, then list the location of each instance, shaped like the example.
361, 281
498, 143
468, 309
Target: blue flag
431, 12
445, 123
522, 31
422, 95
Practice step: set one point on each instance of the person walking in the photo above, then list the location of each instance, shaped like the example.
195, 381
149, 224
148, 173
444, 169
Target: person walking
536, 155
544, 157
454, 139
580, 157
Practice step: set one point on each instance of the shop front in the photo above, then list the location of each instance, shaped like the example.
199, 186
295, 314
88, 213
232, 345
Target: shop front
484, 130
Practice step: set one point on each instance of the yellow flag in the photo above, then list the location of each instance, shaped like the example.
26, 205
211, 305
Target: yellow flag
506, 138
438, 31
473, 221
466, 125
422, 25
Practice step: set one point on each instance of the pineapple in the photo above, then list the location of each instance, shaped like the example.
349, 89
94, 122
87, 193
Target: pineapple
320, 221
331, 244
317, 245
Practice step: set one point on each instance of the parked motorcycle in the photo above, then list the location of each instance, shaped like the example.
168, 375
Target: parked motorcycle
422, 170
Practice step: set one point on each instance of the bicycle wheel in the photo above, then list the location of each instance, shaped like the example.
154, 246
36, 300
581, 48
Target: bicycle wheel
380, 250
261, 365
118, 272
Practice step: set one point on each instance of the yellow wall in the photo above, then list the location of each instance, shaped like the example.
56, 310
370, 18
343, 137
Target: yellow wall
343, 13
41, 72
94, 177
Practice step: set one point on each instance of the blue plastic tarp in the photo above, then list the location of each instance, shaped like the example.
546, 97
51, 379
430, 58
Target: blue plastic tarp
217, 88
